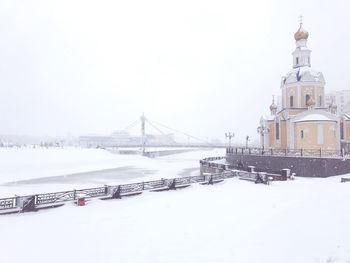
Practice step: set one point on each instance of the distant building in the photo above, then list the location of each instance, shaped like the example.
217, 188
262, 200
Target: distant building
341, 99
95, 141
123, 138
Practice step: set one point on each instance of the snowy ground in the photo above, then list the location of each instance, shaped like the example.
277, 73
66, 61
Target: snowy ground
305, 220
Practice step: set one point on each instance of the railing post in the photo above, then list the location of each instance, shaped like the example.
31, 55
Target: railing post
320, 152
285, 152
271, 150
301, 152
250, 151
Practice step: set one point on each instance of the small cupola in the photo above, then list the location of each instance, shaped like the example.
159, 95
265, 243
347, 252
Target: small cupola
273, 106
311, 103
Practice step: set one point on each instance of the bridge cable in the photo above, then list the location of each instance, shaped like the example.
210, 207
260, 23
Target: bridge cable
159, 130
183, 133
132, 125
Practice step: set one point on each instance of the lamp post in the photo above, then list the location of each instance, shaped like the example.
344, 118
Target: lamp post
262, 130
229, 135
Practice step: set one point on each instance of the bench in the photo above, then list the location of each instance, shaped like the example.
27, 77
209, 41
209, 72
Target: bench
255, 177
344, 180
116, 193
211, 181
170, 185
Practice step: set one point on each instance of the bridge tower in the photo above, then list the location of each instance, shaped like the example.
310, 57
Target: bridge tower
143, 133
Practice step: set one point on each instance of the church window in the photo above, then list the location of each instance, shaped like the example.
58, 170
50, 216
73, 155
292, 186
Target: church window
302, 134
320, 101
297, 60
307, 97
277, 131
291, 101
308, 60
342, 130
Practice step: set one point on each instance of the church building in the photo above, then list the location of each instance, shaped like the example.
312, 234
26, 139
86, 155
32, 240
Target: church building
303, 121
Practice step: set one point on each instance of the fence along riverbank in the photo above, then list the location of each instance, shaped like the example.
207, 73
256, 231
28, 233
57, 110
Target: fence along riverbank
218, 172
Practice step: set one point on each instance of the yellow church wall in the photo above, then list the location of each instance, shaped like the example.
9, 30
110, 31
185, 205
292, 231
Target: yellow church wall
283, 135
330, 138
310, 135
271, 134
347, 130
313, 91
319, 92
291, 91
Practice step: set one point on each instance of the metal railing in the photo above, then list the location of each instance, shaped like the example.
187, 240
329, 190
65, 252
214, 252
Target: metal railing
34, 202
315, 153
46, 200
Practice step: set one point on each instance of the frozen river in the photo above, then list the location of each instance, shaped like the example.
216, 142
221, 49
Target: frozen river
27, 171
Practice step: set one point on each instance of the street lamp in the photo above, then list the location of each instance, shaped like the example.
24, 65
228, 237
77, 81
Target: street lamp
262, 130
229, 135
246, 141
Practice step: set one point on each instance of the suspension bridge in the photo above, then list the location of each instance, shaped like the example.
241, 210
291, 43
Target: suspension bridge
164, 137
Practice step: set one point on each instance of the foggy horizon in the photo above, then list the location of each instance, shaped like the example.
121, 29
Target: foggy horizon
204, 68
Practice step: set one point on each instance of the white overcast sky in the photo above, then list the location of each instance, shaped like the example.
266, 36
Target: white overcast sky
203, 67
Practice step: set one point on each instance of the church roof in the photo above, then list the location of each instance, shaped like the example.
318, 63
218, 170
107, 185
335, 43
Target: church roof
315, 116
269, 117
347, 116
303, 74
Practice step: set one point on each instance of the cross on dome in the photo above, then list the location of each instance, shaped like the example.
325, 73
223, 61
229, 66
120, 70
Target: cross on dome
301, 19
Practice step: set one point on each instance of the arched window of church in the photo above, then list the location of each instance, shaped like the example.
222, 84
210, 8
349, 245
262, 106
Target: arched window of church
297, 60
302, 134
291, 101
308, 60
320, 101
307, 97
277, 131
342, 130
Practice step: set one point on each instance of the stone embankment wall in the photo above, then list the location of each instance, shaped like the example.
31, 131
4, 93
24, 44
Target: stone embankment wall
301, 166
213, 165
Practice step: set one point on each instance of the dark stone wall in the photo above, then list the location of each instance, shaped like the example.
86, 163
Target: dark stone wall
301, 166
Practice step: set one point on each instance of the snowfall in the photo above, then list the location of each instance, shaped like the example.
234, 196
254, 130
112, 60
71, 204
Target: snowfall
304, 220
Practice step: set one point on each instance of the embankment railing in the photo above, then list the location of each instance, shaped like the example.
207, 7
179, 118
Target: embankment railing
314, 153
47, 200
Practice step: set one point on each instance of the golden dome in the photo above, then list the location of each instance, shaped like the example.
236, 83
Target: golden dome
301, 33
273, 106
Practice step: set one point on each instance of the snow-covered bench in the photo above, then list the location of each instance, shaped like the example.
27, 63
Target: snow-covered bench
120, 191
170, 184
344, 180
211, 179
